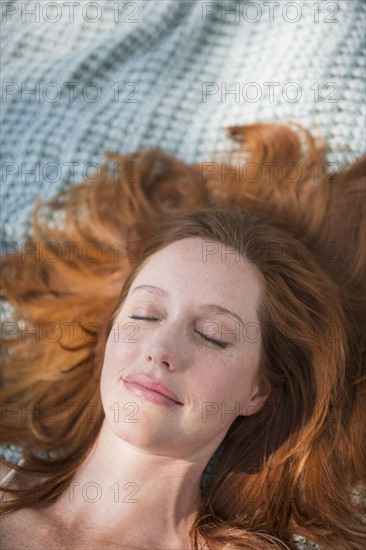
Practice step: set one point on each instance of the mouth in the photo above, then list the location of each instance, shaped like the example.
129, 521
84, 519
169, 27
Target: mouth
152, 390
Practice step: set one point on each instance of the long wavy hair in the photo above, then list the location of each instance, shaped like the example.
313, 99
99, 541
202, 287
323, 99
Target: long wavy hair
297, 466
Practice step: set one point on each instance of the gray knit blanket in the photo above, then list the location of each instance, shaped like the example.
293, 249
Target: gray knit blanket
80, 78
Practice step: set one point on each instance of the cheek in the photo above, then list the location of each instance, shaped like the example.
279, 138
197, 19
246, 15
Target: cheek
119, 354
118, 407
221, 388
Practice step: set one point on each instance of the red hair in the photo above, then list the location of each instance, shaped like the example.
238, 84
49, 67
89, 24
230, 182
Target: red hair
291, 468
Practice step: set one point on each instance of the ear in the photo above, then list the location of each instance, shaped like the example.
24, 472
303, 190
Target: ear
262, 392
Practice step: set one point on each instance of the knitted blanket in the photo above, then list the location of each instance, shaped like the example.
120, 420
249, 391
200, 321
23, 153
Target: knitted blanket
80, 78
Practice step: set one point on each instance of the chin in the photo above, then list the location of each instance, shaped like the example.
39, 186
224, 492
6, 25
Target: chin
145, 435
142, 424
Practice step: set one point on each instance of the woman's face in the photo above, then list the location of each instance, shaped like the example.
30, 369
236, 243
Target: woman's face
189, 322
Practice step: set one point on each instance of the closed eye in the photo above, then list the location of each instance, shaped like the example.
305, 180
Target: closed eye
140, 318
217, 343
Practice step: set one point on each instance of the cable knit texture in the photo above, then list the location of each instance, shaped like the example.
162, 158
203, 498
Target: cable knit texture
80, 78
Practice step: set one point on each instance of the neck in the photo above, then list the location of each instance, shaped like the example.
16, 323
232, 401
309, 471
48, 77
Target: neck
145, 497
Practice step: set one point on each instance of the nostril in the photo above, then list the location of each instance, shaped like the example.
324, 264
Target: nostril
157, 361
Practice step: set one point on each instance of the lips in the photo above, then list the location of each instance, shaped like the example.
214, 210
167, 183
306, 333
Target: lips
153, 385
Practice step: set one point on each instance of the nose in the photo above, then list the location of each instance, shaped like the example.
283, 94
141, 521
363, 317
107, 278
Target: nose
162, 350
158, 355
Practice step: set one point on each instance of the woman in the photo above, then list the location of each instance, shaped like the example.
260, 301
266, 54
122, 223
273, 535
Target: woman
219, 314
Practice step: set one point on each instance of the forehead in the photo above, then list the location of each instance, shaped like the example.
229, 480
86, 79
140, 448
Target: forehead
205, 271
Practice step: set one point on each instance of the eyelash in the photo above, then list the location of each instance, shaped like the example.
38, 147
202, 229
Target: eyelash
217, 343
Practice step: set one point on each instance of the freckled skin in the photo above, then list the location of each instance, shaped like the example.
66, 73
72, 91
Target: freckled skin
214, 384
155, 454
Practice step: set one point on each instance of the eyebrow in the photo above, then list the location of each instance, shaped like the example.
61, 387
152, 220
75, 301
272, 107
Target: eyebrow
207, 308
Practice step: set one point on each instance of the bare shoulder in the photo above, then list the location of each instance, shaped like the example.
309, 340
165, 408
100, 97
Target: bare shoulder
23, 529
18, 526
